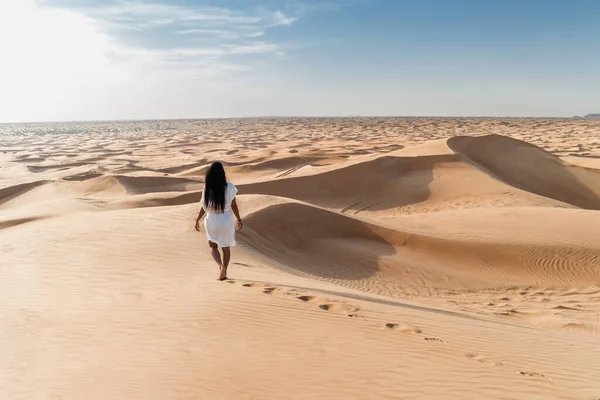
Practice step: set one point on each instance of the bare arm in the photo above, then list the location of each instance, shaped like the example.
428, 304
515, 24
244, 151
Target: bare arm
236, 211
200, 216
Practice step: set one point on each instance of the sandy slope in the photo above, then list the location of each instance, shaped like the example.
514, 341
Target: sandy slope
530, 168
381, 258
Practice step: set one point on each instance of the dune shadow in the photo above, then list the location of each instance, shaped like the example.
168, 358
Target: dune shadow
317, 242
14, 191
384, 183
530, 168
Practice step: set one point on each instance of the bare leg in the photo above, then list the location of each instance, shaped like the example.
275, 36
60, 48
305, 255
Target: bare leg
226, 258
214, 252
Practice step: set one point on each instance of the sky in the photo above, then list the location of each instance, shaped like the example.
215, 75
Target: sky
67, 60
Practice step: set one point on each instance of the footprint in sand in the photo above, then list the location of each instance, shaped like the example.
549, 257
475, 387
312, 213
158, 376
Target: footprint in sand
306, 298
433, 339
324, 304
534, 375
403, 328
484, 360
339, 308
271, 290
332, 306
279, 291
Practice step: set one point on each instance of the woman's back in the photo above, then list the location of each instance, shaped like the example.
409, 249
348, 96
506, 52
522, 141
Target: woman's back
230, 193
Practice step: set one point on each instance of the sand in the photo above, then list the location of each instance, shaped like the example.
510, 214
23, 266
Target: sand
382, 258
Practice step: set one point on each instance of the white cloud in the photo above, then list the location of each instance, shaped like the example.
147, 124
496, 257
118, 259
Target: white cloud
69, 64
221, 33
130, 14
280, 18
149, 11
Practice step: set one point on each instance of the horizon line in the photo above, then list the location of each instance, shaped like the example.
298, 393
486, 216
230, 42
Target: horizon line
281, 117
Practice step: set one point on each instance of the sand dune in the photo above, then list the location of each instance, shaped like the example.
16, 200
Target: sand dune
109, 186
381, 258
399, 184
10, 192
379, 184
373, 257
530, 168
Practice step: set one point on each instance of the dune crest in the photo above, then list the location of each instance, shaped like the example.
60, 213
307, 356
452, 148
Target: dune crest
531, 168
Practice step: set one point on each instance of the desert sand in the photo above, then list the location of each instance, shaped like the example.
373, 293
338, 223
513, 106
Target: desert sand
381, 258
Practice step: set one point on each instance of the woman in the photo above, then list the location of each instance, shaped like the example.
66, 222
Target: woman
218, 204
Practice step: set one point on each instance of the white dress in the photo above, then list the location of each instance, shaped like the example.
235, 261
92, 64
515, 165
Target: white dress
220, 227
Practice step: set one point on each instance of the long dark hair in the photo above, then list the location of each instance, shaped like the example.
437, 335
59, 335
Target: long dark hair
215, 185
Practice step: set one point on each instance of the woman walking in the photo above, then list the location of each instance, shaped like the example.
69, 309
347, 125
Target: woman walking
219, 205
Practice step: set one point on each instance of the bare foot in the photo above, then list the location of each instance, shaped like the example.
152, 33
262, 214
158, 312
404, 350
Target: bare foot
223, 274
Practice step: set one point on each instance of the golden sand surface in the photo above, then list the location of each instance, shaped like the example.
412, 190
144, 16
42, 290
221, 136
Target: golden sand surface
381, 258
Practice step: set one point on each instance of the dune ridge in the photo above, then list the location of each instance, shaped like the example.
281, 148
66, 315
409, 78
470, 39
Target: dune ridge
531, 168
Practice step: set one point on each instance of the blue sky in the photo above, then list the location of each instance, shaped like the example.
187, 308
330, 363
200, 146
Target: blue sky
135, 59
